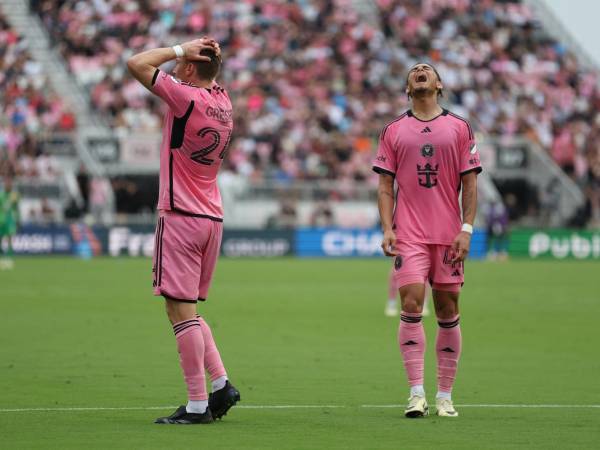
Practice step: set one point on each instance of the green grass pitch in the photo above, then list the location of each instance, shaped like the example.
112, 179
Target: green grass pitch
295, 332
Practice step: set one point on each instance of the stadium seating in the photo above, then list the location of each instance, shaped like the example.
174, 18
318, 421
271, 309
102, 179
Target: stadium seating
313, 83
28, 108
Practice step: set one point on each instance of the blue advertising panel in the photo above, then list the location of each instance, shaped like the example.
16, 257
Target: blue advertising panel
257, 243
41, 240
340, 243
138, 240
135, 240
478, 245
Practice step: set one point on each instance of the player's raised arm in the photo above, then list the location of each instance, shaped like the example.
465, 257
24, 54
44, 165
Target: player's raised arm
143, 66
385, 202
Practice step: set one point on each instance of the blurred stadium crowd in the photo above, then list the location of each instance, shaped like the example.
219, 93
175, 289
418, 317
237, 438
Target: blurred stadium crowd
313, 83
28, 108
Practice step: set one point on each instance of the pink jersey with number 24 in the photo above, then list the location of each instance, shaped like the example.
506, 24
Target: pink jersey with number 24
427, 159
196, 133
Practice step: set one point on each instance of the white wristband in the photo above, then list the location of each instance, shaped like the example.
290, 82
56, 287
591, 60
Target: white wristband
467, 228
178, 49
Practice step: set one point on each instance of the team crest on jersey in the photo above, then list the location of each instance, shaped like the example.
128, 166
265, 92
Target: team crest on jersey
398, 262
427, 174
427, 151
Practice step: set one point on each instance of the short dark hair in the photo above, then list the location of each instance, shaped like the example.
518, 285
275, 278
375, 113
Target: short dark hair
440, 92
208, 70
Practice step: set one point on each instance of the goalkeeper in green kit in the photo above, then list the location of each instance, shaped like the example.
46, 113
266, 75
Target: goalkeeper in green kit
9, 216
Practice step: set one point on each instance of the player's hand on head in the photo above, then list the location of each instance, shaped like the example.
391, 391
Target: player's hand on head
389, 243
461, 246
193, 48
214, 44
217, 48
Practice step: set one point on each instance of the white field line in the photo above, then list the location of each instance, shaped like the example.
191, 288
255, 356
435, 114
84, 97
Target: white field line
148, 408
492, 405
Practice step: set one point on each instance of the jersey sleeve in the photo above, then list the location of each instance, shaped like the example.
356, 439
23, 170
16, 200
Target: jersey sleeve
172, 91
385, 160
469, 155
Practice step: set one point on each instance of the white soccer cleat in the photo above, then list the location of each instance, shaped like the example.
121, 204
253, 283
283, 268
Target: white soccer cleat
417, 407
391, 309
445, 408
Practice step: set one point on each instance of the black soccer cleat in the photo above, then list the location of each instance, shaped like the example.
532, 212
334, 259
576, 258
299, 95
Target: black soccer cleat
221, 401
182, 417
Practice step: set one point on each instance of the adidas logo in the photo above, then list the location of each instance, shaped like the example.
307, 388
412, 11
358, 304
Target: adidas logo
456, 273
426, 130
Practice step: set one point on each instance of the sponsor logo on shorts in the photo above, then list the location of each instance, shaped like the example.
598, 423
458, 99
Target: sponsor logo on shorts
447, 260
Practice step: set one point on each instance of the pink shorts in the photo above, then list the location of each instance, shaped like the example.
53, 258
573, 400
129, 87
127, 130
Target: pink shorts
185, 255
420, 262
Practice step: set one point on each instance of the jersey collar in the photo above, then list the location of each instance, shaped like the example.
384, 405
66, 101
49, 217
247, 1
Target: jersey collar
409, 113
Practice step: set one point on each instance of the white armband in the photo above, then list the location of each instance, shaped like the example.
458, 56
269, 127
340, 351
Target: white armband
178, 49
467, 228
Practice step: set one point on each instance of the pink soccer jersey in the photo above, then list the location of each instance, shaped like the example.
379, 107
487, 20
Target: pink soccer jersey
427, 159
197, 130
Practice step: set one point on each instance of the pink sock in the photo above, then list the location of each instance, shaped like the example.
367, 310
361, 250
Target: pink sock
448, 347
190, 345
212, 358
411, 339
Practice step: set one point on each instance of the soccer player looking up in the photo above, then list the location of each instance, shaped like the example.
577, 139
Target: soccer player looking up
431, 154
197, 129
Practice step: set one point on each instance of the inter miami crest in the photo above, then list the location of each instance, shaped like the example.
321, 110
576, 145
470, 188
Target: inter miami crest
398, 262
427, 151
428, 172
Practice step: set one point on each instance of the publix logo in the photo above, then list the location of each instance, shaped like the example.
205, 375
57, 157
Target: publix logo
565, 246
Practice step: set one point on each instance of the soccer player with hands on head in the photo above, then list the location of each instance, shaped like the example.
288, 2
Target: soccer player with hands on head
431, 154
197, 129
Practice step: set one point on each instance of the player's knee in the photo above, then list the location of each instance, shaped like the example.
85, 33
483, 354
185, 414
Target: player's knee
171, 313
412, 304
447, 310
179, 311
